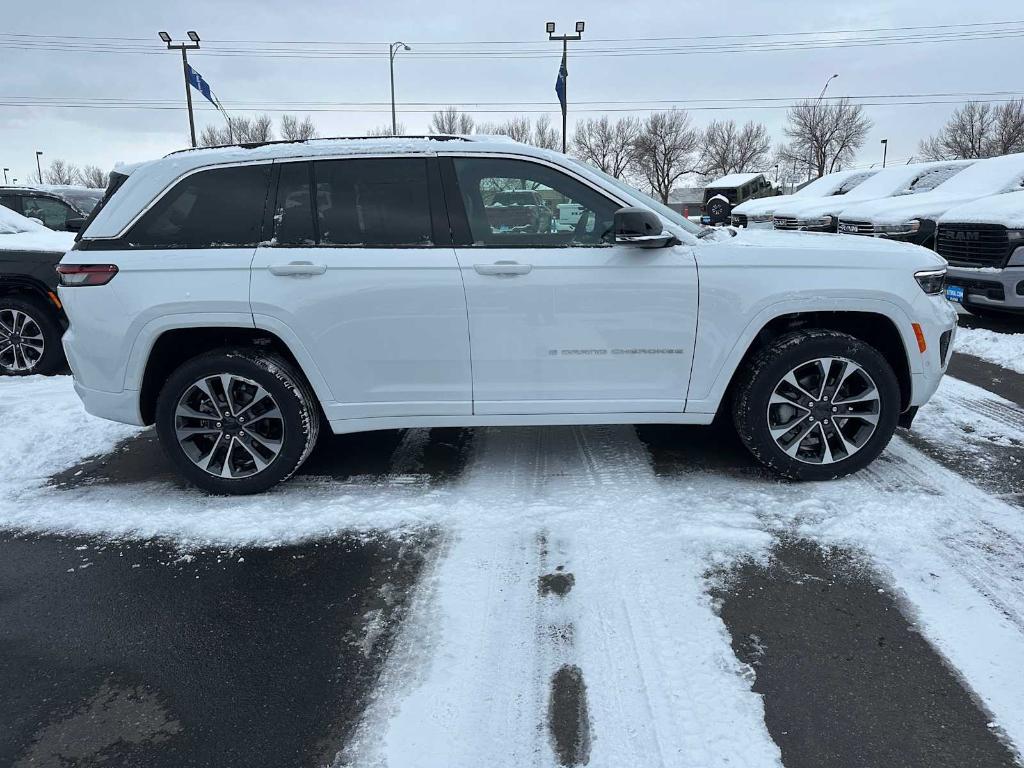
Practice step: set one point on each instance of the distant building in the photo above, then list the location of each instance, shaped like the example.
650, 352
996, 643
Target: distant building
686, 200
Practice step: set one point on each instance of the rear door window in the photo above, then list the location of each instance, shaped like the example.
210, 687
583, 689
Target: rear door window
372, 202
53, 213
218, 208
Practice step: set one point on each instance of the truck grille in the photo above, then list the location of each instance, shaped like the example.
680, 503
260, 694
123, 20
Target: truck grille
785, 222
973, 245
856, 227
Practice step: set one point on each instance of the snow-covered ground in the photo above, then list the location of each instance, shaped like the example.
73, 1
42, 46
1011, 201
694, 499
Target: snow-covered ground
1005, 349
468, 683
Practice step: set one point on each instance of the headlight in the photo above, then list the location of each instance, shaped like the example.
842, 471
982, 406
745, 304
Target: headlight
1016, 238
932, 281
907, 228
821, 221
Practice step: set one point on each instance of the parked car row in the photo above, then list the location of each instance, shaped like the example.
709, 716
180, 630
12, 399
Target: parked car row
967, 210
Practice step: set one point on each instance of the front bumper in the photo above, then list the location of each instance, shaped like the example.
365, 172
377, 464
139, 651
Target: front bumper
1001, 289
937, 318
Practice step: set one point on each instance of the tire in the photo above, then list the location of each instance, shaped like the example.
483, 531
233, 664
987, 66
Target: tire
765, 400
37, 324
220, 453
719, 211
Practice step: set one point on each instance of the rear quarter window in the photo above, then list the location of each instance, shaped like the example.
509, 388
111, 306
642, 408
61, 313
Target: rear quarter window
217, 208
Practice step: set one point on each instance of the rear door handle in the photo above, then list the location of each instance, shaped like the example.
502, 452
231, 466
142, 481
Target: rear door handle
297, 269
503, 268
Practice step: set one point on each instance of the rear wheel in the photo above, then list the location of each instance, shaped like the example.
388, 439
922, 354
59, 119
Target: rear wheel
237, 421
817, 405
29, 337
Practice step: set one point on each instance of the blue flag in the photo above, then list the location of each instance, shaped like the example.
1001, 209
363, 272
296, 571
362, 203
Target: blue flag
563, 74
196, 81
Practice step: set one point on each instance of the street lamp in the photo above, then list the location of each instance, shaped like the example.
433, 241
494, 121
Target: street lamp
393, 50
563, 72
885, 150
816, 105
184, 47
5, 174
39, 168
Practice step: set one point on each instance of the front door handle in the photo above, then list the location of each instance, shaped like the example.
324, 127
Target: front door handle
297, 269
503, 268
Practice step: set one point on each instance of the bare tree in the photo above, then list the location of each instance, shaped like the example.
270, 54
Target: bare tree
727, 148
385, 130
61, 172
978, 130
544, 134
517, 128
606, 145
93, 176
243, 130
450, 121
294, 130
823, 136
664, 150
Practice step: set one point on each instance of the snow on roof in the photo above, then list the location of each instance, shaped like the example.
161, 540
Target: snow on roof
18, 233
1006, 209
733, 180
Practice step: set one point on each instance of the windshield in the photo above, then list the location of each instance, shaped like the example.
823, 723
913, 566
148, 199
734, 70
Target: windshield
830, 185
987, 177
83, 199
676, 218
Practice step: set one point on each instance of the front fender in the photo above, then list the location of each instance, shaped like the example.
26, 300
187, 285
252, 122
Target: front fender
714, 364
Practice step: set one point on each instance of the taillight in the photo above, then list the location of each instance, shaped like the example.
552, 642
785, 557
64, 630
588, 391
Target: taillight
86, 274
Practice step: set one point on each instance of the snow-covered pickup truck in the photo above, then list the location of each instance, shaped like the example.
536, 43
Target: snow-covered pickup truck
241, 298
983, 242
31, 317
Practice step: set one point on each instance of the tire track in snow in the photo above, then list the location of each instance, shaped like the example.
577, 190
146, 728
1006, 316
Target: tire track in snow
469, 683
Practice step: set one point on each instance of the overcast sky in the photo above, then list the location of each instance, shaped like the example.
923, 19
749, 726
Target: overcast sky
72, 69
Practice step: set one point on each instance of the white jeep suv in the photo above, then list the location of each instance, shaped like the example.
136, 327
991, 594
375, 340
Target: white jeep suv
243, 298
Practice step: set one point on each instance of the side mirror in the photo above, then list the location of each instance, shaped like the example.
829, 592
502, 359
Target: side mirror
74, 225
640, 227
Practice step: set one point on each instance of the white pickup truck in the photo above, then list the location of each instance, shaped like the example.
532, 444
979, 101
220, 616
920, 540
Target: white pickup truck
243, 298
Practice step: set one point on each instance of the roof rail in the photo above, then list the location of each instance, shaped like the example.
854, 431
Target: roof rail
256, 144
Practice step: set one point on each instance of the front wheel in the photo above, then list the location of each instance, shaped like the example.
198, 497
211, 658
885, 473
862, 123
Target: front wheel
817, 405
237, 421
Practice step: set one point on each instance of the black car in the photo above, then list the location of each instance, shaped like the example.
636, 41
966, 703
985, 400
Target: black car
61, 208
32, 319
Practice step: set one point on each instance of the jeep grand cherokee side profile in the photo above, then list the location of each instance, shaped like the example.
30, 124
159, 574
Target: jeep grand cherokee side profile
242, 298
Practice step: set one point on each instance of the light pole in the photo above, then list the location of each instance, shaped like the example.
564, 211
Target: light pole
393, 50
885, 150
39, 168
816, 105
563, 73
5, 174
184, 48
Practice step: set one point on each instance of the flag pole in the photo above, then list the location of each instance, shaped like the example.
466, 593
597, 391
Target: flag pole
562, 83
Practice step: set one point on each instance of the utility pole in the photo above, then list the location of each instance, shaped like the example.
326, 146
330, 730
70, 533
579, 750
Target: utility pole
885, 150
39, 168
184, 48
562, 84
393, 50
5, 174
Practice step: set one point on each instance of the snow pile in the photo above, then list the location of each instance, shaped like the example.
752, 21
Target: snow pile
18, 233
1005, 349
43, 429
